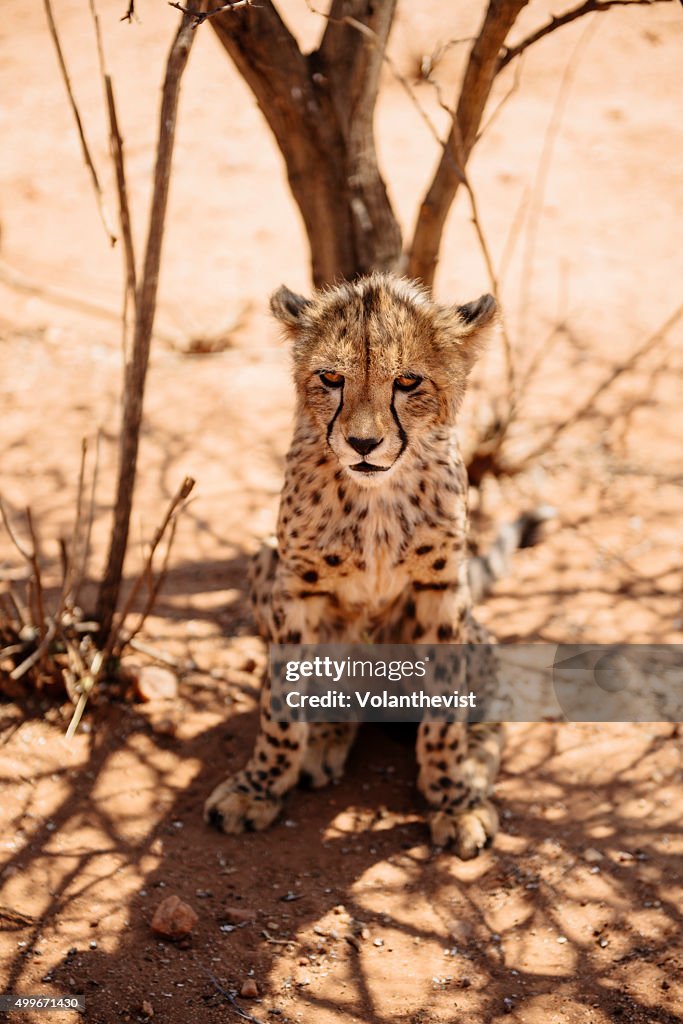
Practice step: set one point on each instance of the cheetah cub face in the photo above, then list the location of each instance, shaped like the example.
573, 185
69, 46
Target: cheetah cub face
379, 367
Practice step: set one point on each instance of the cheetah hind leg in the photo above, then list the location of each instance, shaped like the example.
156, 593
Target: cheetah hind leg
326, 752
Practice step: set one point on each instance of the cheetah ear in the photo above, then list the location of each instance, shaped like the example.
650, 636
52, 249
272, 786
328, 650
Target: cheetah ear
475, 315
287, 306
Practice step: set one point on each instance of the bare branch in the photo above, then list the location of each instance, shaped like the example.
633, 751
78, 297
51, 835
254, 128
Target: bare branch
99, 195
85, 553
155, 585
130, 15
33, 659
25, 554
69, 556
201, 16
136, 369
541, 179
476, 86
588, 7
116, 145
177, 501
116, 150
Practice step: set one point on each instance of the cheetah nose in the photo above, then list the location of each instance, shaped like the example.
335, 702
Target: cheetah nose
364, 445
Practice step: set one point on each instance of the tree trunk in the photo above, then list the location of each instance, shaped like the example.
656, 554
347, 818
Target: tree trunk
320, 108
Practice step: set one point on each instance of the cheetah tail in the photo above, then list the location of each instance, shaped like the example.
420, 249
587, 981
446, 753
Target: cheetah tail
523, 532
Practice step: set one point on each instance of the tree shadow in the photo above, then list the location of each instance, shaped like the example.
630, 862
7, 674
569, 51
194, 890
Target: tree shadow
350, 914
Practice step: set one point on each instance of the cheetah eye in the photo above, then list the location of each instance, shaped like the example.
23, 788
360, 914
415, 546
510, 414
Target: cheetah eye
331, 379
407, 382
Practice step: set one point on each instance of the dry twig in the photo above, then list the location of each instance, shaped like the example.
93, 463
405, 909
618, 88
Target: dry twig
199, 17
136, 370
589, 7
99, 195
542, 172
115, 642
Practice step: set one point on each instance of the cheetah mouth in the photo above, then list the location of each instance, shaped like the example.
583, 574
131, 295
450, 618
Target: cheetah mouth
367, 467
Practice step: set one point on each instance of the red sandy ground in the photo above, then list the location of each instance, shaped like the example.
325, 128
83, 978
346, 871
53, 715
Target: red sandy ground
97, 831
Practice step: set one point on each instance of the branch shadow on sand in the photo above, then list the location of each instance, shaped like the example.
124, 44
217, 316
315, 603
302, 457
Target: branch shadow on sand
347, 913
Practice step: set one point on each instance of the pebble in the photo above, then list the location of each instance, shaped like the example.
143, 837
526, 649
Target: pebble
152, 682
249, 989
592, 856
147, 1008
238, 915
165, 726
460, 930
173, 918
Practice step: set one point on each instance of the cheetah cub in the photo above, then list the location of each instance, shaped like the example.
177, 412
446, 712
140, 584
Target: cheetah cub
371, 536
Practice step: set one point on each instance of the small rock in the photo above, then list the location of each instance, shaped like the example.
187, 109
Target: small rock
460, 930
249, 989
152, 682
173, 918
164, 726
147, 1008
592, 856
238, 915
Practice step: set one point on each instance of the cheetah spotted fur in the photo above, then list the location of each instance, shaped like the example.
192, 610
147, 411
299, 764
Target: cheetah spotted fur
372, 537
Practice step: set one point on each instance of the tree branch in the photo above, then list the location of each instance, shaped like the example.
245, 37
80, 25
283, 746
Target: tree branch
589, 7
476, 86
201, 16
136, 369
99, 195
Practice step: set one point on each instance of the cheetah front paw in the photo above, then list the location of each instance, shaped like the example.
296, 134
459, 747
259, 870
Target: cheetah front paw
237, 806
467, 832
